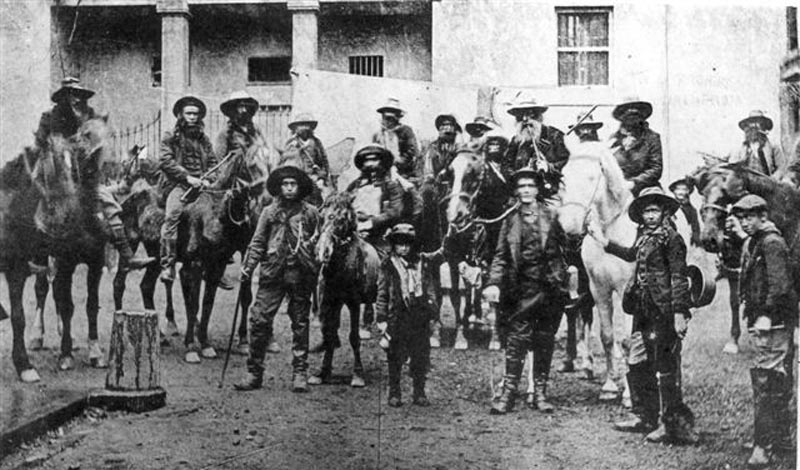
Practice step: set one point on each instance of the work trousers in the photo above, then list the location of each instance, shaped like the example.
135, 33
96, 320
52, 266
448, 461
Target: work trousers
172, 213
531, 331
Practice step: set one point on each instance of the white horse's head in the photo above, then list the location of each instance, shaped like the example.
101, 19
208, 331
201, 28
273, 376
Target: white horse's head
593, 186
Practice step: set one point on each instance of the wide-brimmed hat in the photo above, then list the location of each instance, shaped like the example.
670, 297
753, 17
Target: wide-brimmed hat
275, 179
235, 99
684, 181
442, 118
71, 86
385, 155
749, 203
517, 108
189, 101
652, 195
584, 120
480, 123
757, 116
392, 105
303, 118
642, 108
527, 172
401, 232
702, 286
495, 135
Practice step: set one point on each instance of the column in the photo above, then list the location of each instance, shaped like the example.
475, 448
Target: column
174, 54
304, 33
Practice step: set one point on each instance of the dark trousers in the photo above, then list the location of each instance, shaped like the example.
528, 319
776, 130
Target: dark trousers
531, 331
409, 342
271, 291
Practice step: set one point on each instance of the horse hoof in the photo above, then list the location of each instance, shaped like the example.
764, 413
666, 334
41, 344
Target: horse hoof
588, 374
494, 345
357, 381
66, 363
364, 334
208, 352
98, 363
37, 344
436, 343
731, 348
192, 357
172, 329
608, 396
461, 342
272, 347
29, 376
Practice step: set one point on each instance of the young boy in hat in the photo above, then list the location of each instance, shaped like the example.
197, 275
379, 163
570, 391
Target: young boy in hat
660, 318
284, 245
308, 151
405, 309
769, 304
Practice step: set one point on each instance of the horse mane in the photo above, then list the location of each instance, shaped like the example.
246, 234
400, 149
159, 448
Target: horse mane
14, 175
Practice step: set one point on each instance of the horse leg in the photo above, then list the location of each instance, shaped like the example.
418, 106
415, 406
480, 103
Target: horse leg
62, 295
330, 311
355, 342
571, 312
41, 288
455, 300
212, 279
93, 275
583, 348
367, 320
190, 285
16, 285
605, 312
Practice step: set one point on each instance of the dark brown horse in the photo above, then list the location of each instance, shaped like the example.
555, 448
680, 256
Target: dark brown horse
214, 227
349, 277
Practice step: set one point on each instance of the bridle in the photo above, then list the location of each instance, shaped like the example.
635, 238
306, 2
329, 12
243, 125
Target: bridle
588, 207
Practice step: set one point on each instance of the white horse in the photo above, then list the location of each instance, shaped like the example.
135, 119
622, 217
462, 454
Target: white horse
595, 191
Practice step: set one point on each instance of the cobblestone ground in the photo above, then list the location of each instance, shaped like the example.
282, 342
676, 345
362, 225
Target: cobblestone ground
335, 426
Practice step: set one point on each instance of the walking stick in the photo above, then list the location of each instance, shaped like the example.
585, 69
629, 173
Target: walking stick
230, 339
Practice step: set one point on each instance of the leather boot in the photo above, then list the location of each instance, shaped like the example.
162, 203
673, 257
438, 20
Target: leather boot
253, 380
505, 402
169, 254
299, 382
324, 375
395, 396
119, 239
763, 414
540, 401
644, 397
420, 399
669, 428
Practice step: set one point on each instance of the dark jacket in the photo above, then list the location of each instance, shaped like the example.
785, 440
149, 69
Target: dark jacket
660, 258
407, 143
393, 309
391, 202
312, 155
550, 144
269, 245
642, 164
691, 216
436, 158
59, 122
765, 285
506, 265
182, 157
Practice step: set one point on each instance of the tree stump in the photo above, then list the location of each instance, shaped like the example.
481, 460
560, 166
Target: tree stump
133, 378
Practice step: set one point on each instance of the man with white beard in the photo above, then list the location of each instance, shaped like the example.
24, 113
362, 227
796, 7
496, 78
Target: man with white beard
535, 144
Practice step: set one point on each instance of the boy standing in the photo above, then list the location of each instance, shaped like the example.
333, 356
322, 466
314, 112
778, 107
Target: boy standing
769, 304
284, 245
405, 309
659, 303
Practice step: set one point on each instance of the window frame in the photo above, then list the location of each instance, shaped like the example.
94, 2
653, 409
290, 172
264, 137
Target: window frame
269, 82
366, 58
573, 9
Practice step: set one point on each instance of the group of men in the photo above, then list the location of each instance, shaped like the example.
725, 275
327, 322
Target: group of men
528, 275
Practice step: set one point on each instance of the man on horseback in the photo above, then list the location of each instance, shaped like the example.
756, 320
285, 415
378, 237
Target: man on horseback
442, 150
186, 154
529, 271
535, 143
241, 135
397, 138
284, 245
756, 151
658, 298
477, 129
71, 111
378, 199
636, 146
305, 148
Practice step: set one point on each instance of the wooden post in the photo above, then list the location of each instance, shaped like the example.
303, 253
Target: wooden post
133, 378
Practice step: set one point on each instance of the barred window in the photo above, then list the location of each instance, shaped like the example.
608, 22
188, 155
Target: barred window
583, 46
369, 65
269, 69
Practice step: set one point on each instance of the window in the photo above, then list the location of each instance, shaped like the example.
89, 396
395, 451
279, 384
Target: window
583, 46
369, 65
155, 70
268, 69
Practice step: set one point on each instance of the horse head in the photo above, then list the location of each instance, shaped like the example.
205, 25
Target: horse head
719, 185
466, 170
339, 225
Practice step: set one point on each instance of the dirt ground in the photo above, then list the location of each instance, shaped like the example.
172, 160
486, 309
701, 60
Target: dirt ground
334, 426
